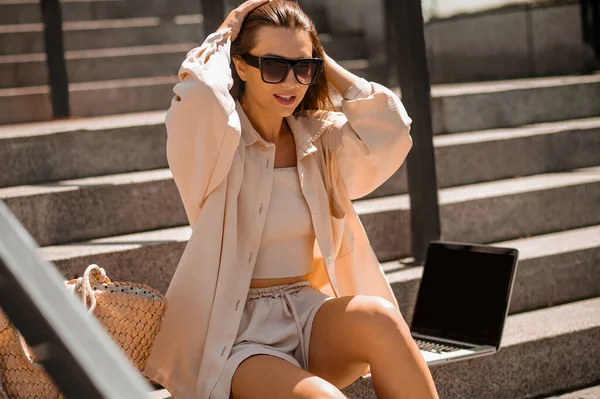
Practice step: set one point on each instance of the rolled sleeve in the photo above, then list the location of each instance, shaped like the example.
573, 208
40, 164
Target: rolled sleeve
203, 129
371, 137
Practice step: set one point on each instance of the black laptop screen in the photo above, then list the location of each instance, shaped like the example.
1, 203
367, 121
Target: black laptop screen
464, 293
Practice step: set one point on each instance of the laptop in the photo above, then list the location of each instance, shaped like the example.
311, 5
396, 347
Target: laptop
463, 300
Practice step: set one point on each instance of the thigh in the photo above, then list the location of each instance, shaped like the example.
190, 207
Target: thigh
265, 376
344, 332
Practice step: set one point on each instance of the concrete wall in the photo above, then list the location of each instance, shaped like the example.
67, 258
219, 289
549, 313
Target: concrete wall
511, 42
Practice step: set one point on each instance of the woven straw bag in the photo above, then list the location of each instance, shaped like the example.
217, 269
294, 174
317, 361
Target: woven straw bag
131, 313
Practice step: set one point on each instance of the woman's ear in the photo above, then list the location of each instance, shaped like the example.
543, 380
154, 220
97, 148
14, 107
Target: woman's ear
240, 67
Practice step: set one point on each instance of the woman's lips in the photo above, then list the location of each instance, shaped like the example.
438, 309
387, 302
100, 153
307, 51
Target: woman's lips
285, 100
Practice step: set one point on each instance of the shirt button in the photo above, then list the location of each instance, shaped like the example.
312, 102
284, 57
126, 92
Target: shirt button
268, 163
250, 257
261, 209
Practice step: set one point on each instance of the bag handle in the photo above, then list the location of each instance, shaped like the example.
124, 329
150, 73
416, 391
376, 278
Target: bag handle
82, 283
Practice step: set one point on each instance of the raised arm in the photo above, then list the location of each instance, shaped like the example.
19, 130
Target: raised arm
371, 136
203, 129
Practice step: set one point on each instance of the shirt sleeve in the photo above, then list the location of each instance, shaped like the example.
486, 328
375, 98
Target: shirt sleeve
370, 137
203, 129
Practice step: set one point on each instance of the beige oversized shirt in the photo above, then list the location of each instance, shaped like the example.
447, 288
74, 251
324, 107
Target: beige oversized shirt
224, 173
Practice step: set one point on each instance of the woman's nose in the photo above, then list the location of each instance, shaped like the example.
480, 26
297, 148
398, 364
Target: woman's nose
290, 79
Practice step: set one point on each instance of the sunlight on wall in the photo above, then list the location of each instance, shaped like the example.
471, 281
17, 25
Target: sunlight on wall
447, 8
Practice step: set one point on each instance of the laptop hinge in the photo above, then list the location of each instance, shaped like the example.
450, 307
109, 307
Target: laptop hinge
445, 340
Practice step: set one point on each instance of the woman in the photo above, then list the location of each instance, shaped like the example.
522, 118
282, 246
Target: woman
278, 293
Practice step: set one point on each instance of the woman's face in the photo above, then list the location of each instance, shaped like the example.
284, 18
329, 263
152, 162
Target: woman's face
275, 98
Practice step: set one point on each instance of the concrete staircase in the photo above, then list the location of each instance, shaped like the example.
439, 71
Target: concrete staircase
518, 164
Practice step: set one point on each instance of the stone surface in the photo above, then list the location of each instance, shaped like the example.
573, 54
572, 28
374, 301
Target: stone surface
26, 12
467, 158
52, 151
82, 209
586, 393
483, 47
469, 107
96, 65
31, 104
558, 47
85, 35
541, 352
490, 212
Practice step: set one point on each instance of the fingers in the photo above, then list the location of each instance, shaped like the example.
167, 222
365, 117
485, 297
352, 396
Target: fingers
246, 7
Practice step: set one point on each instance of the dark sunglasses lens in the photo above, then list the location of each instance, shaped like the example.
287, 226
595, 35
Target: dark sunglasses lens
307, 72
274, 71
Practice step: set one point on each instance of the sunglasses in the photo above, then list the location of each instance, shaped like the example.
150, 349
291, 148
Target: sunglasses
274, 70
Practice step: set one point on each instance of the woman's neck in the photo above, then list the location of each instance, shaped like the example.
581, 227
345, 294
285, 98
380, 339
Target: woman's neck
270, 127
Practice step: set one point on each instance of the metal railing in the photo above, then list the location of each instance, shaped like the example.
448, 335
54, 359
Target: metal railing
406, 50
590, 20
71, 346
55, 58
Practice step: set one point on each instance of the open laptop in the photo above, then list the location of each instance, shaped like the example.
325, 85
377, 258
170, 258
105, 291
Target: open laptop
463, 300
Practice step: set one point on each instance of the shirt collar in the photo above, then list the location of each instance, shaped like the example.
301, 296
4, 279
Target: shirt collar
306, 130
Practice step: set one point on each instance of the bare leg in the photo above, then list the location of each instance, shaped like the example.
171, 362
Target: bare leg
351, 332
265, 376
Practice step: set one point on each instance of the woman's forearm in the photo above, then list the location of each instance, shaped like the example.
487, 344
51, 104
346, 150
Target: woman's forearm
340, 78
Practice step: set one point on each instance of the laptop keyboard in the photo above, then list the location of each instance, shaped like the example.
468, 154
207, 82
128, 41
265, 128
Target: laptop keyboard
435, 347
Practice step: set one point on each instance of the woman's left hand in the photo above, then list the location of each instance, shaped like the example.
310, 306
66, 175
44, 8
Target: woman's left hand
338, 76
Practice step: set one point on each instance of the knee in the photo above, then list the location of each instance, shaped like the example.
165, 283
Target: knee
381, 319
319, 388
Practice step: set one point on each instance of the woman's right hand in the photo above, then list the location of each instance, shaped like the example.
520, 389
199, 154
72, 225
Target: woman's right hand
235, 19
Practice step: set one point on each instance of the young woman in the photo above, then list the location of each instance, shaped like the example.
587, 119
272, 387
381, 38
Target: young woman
278, 293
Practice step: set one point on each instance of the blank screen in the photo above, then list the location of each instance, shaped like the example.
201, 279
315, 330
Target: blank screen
464, 294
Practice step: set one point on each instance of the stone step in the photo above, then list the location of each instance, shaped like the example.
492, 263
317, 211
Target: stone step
75, 210
82, 209
490, 212
482, 156
488, 105
109, 97
585, 393
71, 149
456, 108
78, 148
87, 35
543, 351
553, 269
26, 70
28, 11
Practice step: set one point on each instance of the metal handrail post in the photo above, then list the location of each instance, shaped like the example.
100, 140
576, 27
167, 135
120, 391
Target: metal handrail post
406, 27
214, 14
55, 58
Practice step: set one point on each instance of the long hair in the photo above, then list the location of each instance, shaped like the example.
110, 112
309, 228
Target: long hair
282, 14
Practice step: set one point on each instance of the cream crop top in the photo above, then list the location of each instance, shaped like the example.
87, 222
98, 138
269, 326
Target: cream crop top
286, 248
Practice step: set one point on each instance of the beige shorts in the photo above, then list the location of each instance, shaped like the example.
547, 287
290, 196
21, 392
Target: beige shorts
276, 321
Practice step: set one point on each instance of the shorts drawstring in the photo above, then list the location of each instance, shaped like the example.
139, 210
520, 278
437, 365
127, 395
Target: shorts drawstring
283, 293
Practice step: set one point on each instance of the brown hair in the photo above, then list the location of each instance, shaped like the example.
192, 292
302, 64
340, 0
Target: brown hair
283, 14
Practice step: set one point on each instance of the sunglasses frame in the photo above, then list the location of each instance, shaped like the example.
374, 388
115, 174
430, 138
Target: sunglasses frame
257, 62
